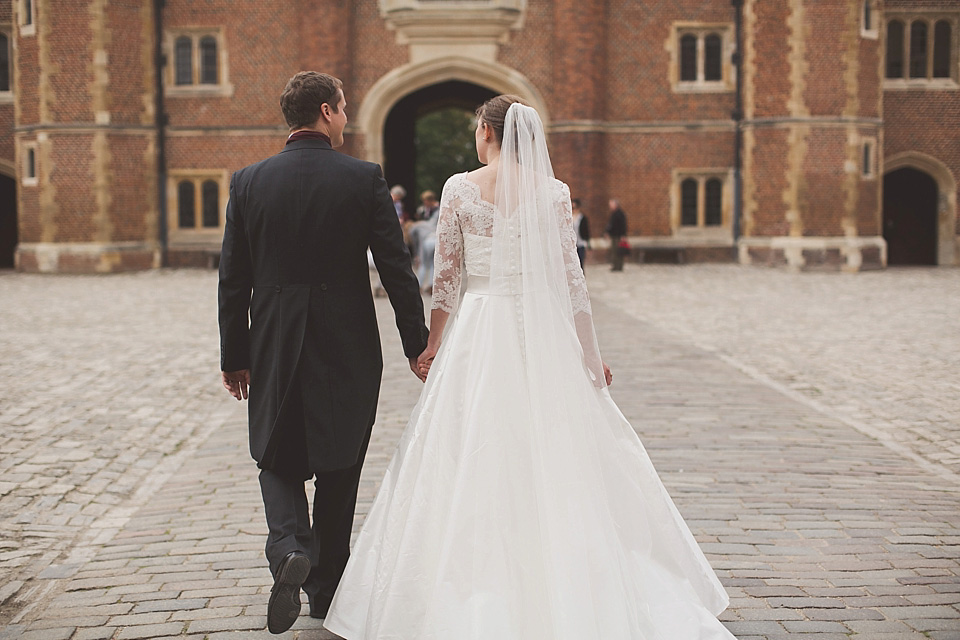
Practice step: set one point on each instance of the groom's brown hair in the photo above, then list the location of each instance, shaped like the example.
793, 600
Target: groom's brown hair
305, 93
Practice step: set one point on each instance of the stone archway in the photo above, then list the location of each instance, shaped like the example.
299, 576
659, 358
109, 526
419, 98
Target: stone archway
8, 215
407, 79
947, 246
400, 148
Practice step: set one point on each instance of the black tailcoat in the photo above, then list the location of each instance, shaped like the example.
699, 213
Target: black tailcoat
297, 230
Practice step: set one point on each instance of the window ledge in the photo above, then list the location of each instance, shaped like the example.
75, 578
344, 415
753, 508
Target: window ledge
6, 97
722, 235
199, 91
28, 30
937, 84
718, 86
197, 238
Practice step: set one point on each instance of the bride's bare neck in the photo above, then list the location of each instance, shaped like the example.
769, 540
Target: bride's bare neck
486, 176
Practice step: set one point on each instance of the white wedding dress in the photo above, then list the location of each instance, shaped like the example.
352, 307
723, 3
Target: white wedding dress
520, 504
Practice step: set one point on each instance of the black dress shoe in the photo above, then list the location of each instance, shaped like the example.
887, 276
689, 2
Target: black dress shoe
284, 605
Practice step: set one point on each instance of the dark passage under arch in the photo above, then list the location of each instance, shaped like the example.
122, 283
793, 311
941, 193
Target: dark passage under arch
910, 217
8, 221
400, 153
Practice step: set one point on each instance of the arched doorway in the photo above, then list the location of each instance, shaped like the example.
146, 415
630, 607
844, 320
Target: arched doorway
8, 220
910, 206
401, 145
399, 83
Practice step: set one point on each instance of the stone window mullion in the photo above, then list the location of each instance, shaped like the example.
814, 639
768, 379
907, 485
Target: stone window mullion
907, 31
194, 62
197, 204
701, 202
701, 59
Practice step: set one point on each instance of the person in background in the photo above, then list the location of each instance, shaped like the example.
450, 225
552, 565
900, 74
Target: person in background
398, 193
582, 227
423, 239
428, 207
617, 232
426, 232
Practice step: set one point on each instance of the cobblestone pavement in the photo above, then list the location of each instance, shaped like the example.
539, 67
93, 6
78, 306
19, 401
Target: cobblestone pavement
878, 350
798, 421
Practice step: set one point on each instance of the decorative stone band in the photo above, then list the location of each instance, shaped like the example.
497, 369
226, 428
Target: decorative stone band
86, 257
815, 253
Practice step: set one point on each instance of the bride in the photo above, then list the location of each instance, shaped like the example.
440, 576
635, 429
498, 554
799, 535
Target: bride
520, 504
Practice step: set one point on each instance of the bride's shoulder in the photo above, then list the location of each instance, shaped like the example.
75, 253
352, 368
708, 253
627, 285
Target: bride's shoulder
560, 187
454, 181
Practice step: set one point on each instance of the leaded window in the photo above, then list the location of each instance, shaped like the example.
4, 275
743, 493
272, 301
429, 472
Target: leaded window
942, 38
4, 62
186, 205
895, 49
918, 49
713, 205
208, 60
211, 204
183, 60
688, 198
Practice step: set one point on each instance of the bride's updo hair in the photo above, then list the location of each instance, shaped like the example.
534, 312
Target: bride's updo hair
494, 112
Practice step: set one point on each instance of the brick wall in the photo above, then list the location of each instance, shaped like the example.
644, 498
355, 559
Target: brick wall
604, 69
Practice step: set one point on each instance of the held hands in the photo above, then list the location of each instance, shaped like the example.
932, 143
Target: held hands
416, 369
236, 382
607, 374
425, 361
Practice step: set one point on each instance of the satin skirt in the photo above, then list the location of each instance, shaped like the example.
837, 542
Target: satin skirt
519, 509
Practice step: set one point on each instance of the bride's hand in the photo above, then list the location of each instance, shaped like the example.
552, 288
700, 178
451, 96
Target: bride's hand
607, 374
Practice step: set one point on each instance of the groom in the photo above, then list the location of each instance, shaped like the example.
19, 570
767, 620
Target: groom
297, 231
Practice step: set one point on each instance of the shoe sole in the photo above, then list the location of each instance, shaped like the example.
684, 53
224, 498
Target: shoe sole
284, 605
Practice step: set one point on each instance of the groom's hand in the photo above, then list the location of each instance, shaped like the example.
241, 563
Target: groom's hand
236, 382
424, 361
416, 369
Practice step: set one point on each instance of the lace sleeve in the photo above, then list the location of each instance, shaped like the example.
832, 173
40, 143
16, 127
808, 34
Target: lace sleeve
577, 284
579, 298
448, 256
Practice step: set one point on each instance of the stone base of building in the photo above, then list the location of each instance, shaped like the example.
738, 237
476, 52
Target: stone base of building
192, 258
815, 253
665, 250
86, 257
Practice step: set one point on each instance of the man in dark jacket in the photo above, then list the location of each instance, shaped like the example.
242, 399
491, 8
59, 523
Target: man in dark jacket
297, 231
617, 231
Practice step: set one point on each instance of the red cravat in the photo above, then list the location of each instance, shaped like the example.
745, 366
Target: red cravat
304, 134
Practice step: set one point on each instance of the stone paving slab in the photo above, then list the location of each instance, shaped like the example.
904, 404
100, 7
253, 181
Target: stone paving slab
816, 529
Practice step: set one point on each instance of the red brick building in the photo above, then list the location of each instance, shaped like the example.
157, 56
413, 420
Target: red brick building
806, 133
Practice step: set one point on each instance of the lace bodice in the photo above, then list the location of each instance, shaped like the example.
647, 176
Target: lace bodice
465, 236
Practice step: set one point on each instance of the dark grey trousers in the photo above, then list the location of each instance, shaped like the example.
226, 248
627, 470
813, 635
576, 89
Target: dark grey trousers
327, 540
